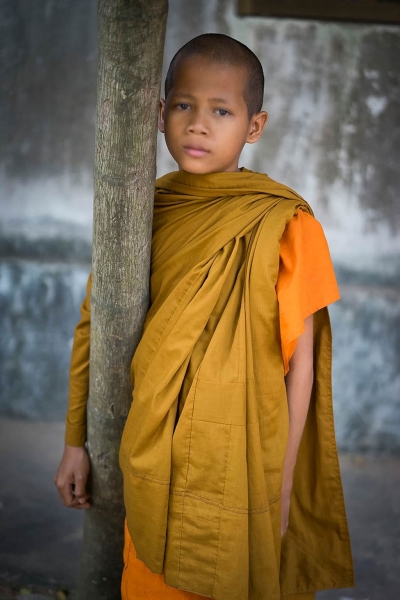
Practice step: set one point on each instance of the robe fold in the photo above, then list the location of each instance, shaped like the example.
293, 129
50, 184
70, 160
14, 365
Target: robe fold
203, 446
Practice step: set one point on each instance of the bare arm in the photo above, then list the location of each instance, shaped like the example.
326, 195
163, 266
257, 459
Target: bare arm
299, 381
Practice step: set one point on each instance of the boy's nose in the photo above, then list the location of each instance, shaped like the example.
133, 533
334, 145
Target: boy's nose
198, 125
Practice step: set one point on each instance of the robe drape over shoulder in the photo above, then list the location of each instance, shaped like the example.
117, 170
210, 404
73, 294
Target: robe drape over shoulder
203, 446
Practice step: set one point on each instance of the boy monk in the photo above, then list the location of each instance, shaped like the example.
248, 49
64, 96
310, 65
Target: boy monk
231, 480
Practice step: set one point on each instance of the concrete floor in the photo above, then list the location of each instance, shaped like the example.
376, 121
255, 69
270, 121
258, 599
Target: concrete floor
40, 540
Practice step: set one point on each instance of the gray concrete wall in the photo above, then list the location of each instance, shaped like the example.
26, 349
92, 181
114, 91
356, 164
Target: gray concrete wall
333, 96
47, 116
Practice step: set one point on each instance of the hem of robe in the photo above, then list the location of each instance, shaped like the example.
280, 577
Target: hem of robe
155, 588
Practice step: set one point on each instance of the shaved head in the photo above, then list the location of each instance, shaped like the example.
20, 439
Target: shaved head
225, 50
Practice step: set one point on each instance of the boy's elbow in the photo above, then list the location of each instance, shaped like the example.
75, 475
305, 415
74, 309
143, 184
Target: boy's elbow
302, 366
303, 355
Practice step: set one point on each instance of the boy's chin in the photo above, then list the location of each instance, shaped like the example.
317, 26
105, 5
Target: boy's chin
197, 168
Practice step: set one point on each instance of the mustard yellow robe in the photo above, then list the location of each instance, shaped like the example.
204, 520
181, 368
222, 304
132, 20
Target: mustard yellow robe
203, 446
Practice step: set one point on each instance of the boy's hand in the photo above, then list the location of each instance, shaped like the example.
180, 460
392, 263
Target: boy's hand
71, 477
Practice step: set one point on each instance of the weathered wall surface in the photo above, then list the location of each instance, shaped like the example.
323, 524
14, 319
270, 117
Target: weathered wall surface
47, 116
333, 96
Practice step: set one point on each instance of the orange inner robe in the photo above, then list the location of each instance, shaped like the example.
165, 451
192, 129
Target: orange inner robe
306, 283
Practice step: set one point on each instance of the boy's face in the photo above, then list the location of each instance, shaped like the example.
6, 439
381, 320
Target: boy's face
205, 117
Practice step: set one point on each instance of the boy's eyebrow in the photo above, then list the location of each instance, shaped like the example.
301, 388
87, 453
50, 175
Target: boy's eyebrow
220, 100
191, 97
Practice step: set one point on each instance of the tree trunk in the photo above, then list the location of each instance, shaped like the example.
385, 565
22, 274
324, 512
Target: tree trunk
131, 43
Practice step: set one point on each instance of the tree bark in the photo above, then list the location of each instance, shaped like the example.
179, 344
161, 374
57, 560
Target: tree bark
131, 43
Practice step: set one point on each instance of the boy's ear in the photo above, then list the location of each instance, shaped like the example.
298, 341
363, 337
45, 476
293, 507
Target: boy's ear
161, 115
256, 127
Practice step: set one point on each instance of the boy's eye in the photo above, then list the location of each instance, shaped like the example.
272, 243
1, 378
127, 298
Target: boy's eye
222, 112
182, 106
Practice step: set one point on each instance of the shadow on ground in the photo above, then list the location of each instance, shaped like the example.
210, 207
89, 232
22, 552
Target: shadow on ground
40, 540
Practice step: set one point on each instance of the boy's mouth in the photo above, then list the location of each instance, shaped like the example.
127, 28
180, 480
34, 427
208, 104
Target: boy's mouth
196, 151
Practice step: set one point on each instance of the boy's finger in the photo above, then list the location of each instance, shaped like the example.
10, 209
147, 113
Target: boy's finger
78, 505
83, 499
85, 504
80, 488
66, 494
